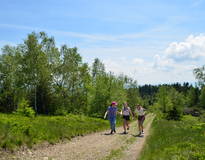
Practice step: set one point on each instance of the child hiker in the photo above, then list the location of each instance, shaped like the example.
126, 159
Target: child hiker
126, 113
112, 113
141, 117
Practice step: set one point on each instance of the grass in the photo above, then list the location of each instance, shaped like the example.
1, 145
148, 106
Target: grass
17, 130
176, 140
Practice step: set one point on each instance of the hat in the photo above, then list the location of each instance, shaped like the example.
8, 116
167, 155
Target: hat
115, 103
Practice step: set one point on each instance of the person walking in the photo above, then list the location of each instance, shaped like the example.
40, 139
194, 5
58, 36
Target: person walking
141, 117
112, 113
126, 113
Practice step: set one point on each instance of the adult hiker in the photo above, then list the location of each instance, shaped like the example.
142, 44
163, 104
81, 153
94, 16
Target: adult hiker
141, 117
112, 113
126, 113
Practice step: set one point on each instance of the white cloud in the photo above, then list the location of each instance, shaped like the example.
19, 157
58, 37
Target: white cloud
193, 48
138, 61
163, 63
174, 64
182, 56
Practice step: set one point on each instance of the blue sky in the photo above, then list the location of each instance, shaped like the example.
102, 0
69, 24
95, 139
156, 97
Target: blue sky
152, 41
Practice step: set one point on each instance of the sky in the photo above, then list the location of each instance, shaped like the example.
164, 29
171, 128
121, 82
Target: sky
153, 42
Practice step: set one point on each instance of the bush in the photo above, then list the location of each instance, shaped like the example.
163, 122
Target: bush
24, 109
174, 114
61, 111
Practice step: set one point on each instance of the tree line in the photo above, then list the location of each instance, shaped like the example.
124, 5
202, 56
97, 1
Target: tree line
174, 100
54, 80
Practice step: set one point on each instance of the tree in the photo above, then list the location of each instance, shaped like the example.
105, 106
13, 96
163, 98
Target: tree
202, 98
200, 74
133, 96
171, 102
192, 97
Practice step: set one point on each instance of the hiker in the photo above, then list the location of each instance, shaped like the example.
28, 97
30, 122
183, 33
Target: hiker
112, 113
141, 117
126, 113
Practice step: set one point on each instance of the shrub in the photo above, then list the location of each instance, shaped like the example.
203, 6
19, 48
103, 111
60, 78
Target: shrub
24, 109
61, 111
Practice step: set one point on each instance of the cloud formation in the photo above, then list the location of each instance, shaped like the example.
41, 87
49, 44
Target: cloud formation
174, 64
193, 48
186, 54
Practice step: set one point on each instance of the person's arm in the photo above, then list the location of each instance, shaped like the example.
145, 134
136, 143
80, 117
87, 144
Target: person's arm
120, 113
132, 117
131, 112
105, 114
145, 112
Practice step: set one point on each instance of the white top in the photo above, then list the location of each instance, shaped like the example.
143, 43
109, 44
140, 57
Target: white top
126, 111
141, 111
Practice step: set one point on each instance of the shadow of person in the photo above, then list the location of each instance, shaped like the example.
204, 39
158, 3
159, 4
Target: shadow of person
123, 133
107, 134
138, 135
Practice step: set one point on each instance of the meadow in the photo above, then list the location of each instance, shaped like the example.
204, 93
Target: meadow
18, 130
176, 140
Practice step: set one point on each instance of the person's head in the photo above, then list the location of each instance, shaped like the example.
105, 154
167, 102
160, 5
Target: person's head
114, 104
138, 106
125, 104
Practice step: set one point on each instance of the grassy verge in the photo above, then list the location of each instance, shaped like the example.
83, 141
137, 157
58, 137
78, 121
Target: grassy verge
176, 140
18, 130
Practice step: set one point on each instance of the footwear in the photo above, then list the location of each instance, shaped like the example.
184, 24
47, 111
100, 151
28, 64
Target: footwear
124, 132
140, 133
111, 132
114, 131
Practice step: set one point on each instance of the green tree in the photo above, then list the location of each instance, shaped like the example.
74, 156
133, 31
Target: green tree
192, 97
202, 98
133, 96
200, 74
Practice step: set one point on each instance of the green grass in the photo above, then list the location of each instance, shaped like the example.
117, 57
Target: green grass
17, 130
176, 140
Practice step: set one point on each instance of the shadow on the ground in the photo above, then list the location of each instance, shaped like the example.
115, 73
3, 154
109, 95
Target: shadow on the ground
137, 135
108, 134
123, 133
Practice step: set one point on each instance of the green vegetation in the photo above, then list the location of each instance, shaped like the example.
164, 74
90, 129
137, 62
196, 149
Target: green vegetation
56, 81
19, 130
180, 140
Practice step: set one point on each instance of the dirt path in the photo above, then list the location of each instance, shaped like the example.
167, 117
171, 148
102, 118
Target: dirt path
133, 151
97, 146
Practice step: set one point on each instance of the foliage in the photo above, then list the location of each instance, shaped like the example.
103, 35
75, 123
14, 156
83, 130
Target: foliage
176, 140
24, 109
202, 98
55, 80
170, 102
19, 130
200, 74
133, 94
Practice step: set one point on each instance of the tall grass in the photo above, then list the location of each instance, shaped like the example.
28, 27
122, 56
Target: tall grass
176, 140
17, 130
